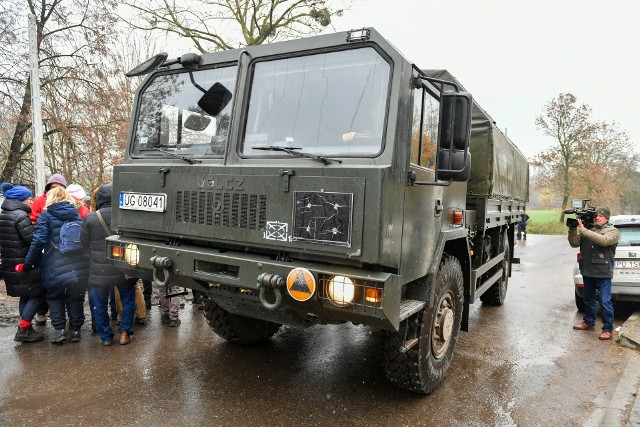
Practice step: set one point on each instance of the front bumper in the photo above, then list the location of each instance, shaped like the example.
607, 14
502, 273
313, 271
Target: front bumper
231, 279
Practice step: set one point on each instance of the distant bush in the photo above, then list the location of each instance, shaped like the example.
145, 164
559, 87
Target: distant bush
545, 222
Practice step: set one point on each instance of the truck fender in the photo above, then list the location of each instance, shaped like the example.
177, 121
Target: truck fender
451, 244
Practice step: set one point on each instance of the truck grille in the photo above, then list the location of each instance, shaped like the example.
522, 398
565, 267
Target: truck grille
233, 210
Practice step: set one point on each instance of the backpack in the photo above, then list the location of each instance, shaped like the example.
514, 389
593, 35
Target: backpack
70, 237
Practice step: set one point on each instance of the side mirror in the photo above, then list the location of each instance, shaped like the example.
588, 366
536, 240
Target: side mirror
215, 99
148, 66
455, 120
454, 158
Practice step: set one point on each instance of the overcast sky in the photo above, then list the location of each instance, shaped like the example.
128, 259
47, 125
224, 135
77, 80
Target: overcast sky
514, 56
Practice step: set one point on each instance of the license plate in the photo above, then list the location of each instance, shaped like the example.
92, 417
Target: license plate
631, 264
143, 202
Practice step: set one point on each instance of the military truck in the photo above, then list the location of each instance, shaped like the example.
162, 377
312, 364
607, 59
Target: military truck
320, 181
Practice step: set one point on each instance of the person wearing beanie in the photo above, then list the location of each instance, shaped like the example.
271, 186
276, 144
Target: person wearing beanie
78, 195
39, 203
16, 232
597, 251
5, 186
103, 275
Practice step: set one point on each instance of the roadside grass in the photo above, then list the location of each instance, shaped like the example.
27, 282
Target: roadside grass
545, 222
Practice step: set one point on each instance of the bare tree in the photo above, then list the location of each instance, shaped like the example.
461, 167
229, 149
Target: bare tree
606, 165
213, 25
71, 34
569, 124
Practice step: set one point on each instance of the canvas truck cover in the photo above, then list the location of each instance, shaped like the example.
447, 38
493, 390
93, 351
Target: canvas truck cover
498, 168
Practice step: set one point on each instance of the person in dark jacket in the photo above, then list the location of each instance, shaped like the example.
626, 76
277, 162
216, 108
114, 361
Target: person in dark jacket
63, 275
597, 253
38, 205
16, 232
103, 275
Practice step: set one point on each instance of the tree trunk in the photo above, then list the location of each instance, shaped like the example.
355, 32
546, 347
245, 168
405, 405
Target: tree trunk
18, 140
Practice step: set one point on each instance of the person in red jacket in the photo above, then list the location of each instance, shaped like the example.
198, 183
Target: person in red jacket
39, 203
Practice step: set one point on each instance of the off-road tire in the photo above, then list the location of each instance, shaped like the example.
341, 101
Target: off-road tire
423, 367
236, 328
497, 293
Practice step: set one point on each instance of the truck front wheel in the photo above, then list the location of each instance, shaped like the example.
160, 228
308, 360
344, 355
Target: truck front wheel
422, 367
236, 328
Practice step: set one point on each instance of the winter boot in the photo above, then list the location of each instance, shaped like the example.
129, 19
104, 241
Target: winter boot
58, 337
27, 335
74, 336
41, 319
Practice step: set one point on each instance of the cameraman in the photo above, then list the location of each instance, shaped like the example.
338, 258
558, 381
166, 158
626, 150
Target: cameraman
597, 250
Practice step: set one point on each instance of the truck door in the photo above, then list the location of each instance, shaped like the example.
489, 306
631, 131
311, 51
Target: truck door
423, 202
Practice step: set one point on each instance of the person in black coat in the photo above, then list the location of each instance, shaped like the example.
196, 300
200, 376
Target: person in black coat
103, 275
16, 232
63, 275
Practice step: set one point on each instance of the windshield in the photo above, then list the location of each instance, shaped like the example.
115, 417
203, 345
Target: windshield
629, 234
330, 104
170, 118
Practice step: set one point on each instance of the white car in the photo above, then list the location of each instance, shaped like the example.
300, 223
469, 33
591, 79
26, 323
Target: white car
625, 285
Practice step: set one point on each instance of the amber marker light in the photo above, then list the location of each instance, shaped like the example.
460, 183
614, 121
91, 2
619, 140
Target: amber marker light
373, 295
456, 217
117, 251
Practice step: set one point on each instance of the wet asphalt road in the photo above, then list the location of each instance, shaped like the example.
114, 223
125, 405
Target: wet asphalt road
520, 364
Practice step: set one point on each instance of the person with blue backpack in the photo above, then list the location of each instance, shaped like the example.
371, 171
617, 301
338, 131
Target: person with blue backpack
64, 263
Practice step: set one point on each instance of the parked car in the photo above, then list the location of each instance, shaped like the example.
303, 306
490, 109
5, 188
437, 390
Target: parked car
625, 285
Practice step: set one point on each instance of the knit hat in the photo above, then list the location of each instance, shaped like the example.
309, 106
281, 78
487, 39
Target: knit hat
18, 192
5, 186
604, 211
56, 178
76, 192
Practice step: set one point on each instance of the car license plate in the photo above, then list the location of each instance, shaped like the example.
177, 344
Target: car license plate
143, 202
632, 264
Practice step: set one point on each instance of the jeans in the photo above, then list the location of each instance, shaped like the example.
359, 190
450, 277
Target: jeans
70, 298
43, 307
99, 296
28, 307
603, 285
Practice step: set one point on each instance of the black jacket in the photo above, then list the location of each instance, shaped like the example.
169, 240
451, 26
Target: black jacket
101, 271
16, 232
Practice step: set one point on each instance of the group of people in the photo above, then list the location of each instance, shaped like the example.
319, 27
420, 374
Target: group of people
53, 252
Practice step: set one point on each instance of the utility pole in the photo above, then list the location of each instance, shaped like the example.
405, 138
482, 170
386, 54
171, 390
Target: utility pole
36, 112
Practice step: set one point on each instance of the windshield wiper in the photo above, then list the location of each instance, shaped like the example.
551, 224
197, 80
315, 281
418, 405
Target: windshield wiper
290, 150
174, 155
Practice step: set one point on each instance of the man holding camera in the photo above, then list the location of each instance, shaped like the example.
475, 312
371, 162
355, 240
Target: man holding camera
597, 252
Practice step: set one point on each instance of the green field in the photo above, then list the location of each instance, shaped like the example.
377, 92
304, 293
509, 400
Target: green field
545, 222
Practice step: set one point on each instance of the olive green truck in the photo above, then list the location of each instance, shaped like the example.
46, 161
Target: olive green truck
320, 181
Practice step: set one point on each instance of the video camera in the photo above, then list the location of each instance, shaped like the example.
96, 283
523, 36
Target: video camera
586, 214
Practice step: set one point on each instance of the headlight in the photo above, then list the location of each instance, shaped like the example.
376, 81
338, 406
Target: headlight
341, 290
132, 254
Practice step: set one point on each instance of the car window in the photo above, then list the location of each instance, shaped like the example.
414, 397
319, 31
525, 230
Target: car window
629, 234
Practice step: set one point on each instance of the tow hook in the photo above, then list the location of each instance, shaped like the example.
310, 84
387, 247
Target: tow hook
275, 282
161, 262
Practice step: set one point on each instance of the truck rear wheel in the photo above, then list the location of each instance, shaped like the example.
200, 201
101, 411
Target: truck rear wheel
236, 328
497, 293
422, 368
